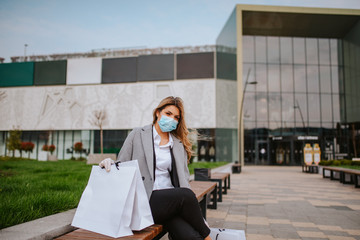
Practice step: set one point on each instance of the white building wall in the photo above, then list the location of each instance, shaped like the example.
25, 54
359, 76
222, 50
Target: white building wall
83, 71
226, 104
127, 105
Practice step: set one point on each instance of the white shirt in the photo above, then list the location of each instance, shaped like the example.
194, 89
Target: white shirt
163, 162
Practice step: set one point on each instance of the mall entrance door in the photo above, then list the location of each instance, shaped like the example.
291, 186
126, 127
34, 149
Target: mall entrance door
262, 156
281, 153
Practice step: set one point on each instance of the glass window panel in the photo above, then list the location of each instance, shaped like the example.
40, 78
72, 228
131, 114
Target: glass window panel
260, 77
274, 77
335, 79
195, 65
249, 107
334, 51
326, 108
287, 83
286, 50
328, 125
155, 67
313, 79
311, 51
324, 51
300, 109
248, 49
274, 125
275, 107
50, 73
226, 65
314, 107
16, 74
325, 79
287, 102
116, 70
262, 124
249, 125
246, 68
300, 78
261, 106
260, 49
299, 50
336, 107
273, 50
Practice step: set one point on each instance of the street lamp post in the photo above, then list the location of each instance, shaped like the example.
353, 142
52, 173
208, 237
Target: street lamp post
25, 46
240, 134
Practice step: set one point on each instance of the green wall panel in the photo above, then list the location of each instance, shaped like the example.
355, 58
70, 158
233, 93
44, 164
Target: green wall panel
50, 73
16, 74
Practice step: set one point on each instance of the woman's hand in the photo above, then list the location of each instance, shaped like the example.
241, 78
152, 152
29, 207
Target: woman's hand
106, 163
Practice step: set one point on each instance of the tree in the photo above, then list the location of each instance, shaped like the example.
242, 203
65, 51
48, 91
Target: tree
98, 119
14, 141
27, 147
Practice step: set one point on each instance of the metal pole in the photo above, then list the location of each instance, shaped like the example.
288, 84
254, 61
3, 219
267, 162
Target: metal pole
241, 159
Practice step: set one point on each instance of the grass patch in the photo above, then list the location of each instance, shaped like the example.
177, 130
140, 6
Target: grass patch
194, 165
349, 166
31, 189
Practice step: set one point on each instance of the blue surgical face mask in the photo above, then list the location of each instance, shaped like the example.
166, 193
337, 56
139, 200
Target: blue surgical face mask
167, 124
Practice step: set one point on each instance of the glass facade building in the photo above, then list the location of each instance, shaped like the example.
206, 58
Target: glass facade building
298, 79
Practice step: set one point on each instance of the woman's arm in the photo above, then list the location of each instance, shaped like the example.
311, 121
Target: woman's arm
126, 151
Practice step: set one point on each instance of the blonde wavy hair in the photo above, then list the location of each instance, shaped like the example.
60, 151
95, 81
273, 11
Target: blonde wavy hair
181, 132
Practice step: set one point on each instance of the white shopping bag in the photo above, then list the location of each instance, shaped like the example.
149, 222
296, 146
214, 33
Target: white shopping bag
227, 234
114, 203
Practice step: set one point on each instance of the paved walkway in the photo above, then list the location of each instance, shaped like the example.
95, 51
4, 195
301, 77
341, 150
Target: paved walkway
271, 202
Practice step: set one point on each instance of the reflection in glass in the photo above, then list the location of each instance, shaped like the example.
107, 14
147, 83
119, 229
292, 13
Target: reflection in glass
300, 108
274, 107
273, 50
326, 109
325, 79
335, 79
275, 125
311, 51
334, 51
262, 124
260, 78
248, 49
249, 107
274, 77
286, 50
261, 106
324, 52
313, 79
300, 78
336, 107
260, 49
314, 107
299, 50
246, 68
287, 83
287, 102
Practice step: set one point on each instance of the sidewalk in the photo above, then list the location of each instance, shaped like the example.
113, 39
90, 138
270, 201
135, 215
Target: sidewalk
270, 202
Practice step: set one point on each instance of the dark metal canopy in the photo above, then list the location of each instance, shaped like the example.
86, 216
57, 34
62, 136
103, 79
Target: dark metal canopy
297, 24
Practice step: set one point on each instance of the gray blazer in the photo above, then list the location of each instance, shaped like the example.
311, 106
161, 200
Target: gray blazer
139, 145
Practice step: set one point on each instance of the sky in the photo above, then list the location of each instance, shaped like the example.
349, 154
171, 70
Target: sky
68, 26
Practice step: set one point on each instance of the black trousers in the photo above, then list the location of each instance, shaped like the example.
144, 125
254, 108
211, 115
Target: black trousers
178, 210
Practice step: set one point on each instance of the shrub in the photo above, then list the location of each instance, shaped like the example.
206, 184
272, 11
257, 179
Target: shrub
45, 148
51, 148
78, 147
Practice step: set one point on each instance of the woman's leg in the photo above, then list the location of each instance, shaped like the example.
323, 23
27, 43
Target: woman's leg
178, 202
179, 229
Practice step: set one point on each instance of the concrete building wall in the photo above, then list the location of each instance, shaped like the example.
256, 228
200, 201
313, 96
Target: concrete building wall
127, 105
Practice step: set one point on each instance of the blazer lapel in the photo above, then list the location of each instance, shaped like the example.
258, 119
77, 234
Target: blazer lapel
147, 142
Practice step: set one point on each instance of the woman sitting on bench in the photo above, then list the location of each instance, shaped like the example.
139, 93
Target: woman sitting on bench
163, 150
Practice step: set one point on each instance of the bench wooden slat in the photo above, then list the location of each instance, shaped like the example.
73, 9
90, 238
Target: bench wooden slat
201, 189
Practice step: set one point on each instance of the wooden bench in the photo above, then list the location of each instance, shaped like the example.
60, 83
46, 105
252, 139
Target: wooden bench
343, 172
310, 168
205, 192
224, 183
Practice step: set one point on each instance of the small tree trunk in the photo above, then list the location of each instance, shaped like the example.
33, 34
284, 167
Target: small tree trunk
101, 139
29, 155
13, 153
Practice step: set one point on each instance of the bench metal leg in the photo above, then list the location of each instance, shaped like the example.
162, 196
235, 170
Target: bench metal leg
225, 186
202, 204
213, 199
356, 180
220, 189
229, 181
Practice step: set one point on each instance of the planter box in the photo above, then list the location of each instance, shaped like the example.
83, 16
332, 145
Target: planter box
98, 157
52, 158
